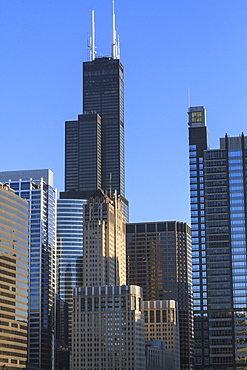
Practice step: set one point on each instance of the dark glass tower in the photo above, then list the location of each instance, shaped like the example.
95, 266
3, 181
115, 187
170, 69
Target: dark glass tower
103, 92
95, 143
218, 190
159, 261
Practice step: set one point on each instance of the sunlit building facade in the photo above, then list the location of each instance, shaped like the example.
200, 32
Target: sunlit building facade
13, 279
218, 183
108, 328
104, 255
161, 322
36, 187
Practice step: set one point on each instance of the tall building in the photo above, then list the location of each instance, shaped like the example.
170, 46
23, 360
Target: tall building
36, 186
13, 279
157, 356
218, 216
161, 323
159, 261
69, 260
108, 328
104, 258
94, 144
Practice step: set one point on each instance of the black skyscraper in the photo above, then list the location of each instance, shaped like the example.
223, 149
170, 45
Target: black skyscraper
94, 144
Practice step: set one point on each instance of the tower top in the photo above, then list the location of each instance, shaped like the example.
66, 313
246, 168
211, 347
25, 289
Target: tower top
115, 52
115, 42
92, 40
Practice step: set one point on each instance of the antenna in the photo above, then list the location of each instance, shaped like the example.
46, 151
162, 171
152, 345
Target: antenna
115, 43
110, 183
188, 97
92, 40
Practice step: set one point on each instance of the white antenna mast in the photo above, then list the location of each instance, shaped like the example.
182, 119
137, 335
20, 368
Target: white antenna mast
188, 97
92, 40
115, 43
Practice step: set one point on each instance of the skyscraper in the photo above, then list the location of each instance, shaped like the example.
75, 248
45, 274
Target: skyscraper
104, 251
159, 261
13, 279
36, 186
219, 218
108, 328
69, 258
94, 144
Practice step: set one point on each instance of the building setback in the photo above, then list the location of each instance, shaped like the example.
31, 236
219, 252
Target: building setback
94, 144
218, 216
159, 261
13, 279
36, 186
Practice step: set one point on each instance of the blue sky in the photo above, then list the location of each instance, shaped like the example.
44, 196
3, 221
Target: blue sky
166, 48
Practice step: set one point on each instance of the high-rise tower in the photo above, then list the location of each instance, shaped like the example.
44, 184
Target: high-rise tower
94, 144
36, 186
219, 222
159, 261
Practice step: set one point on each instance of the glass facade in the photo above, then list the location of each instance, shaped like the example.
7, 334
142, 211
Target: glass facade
103, 92
218, 217
13, 279
41, 196
69, 253
159, 261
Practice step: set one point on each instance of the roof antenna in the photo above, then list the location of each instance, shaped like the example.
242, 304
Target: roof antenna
110, 184
115, 43
92, 40
188, 97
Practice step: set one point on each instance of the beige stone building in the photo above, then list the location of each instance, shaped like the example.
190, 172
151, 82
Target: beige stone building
161, 322
104, 241
108, 328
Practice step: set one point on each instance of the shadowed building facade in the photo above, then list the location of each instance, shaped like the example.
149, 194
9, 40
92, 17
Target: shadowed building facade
159, 261
94, 144
218, 190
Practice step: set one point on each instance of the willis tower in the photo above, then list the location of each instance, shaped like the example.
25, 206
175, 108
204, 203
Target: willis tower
94, 144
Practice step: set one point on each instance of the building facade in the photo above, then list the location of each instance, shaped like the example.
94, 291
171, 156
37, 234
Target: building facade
108, 328
157, 356
159, 261
13, 279
104, 259
69, 259
218, 216
161, 322
36, 187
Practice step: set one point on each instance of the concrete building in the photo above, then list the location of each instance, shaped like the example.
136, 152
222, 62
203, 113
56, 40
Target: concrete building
104, 259
108, 328
36, 187
159, 261
218, 217
13, 279
157, 356
161, 322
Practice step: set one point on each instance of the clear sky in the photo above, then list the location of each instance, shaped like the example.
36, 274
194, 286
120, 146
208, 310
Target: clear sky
166, 48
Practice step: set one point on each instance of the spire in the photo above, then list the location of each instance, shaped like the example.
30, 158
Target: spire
92, 40
115, 42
